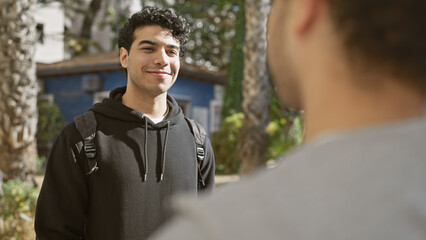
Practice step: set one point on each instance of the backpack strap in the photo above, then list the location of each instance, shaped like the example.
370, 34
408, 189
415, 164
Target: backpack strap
86, 125
200, 138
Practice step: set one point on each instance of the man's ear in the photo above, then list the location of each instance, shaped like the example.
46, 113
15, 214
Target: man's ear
124, 56
309, 14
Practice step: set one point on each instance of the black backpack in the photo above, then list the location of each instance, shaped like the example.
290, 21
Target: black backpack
86, 125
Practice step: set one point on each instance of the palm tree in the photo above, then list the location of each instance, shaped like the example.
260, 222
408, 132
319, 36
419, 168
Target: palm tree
253, 139
18, 89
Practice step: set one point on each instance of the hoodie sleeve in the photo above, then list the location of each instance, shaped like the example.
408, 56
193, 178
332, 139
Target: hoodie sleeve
208, 167
63, 197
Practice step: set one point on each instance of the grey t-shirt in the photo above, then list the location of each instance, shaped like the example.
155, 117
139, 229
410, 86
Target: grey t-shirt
365, 184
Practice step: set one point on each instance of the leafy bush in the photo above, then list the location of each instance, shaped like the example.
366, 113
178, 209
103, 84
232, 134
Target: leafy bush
50, 122
224, 143
40, 164
17, 207
285, 131
283, 134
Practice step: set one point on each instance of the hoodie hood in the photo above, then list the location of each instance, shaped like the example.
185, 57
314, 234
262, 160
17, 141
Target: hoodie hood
113, 107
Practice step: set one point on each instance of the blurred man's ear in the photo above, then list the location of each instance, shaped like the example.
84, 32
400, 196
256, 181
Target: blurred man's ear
124, 57
308, 13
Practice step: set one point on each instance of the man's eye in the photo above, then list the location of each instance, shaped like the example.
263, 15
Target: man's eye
173, 52
148, 49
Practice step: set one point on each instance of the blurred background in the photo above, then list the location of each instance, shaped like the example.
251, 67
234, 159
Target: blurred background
59, 57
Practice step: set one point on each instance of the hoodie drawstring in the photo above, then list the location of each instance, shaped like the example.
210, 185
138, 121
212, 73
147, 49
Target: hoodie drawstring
163, 157
163, 160
145, 162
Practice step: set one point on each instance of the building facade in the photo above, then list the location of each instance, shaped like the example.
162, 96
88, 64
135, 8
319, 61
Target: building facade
76, 84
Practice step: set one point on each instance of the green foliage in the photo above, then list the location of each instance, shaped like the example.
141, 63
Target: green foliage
17, 207
40, 164
233, 94
283, 135
224, 143
285, 131
50, 122
77, 45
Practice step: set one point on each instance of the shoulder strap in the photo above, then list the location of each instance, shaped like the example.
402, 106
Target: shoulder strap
200, 138
86, 125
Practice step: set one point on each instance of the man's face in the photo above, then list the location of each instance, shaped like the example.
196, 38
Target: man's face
280, 62
153, 62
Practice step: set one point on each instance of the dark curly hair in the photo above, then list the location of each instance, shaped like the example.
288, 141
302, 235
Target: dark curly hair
386, 34
165, 18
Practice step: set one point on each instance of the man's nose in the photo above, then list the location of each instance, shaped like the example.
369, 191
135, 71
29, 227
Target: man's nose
161, 58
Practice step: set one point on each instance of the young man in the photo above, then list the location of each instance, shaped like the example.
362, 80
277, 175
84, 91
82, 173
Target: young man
145, 150
357, 68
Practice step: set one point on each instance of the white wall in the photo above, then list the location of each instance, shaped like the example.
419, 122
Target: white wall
53, 19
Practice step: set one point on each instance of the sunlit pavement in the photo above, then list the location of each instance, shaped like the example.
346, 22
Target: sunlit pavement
224, 179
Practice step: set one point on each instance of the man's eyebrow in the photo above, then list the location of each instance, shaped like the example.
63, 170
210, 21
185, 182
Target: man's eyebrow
155, 44
147, 42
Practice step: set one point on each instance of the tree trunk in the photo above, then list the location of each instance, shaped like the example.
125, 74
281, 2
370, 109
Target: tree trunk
89, 18
253, 140
18, 89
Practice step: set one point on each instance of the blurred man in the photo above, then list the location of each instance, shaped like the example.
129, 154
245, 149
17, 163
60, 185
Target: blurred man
357, 68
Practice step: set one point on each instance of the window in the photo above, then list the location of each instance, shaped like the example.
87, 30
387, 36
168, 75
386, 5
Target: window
184, 102
40, 33
99, 96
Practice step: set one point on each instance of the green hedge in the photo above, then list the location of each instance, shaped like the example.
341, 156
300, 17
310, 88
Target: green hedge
284, 133
17, 207
50, 122
224, 143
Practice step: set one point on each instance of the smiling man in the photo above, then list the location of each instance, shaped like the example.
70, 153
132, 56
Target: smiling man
144, 148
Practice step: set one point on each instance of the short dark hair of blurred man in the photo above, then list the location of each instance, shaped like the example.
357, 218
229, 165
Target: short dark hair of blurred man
358, 70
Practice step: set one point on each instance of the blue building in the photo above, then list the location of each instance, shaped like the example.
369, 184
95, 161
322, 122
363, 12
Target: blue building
76, 84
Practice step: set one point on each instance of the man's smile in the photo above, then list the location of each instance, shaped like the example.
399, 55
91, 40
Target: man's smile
160, 72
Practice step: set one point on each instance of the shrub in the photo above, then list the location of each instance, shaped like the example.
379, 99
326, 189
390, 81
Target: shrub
283, 135
285, 131
50, 122
40, 164
224, 143
17, 207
